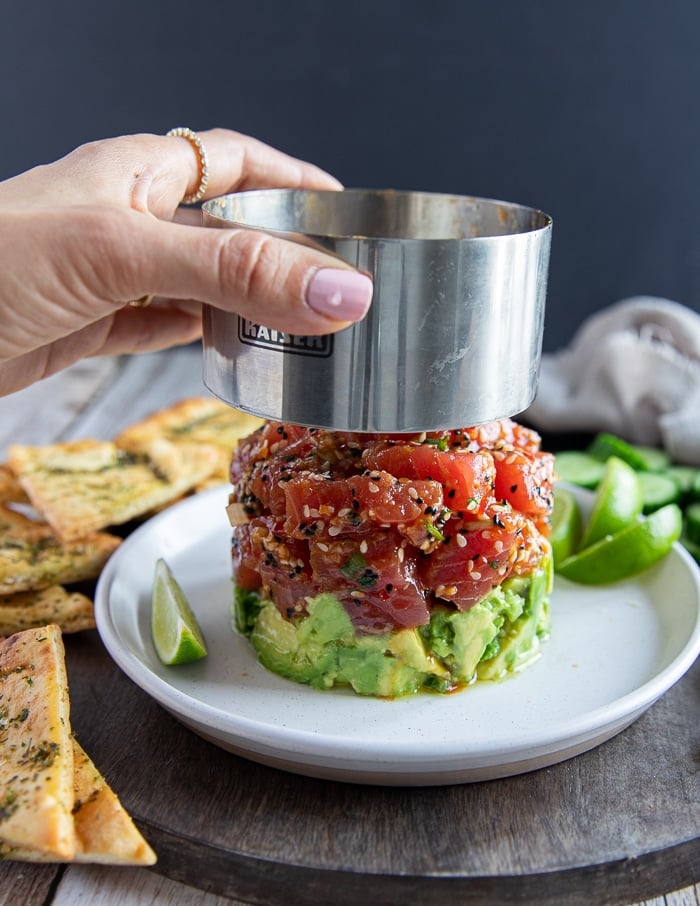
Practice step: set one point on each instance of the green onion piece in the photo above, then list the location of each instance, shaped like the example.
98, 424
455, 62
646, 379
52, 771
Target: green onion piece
353, 566
439, 442
435, 532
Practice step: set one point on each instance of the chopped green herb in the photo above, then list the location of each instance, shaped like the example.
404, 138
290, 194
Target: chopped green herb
42, 756
8, 805
439, 442
354, 566
434, 531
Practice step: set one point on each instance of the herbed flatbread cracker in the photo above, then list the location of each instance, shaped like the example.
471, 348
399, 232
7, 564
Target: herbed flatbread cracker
80, 487
55, 806
202, 420
103, 830
32, 557
11, 490
36, 762
71, 611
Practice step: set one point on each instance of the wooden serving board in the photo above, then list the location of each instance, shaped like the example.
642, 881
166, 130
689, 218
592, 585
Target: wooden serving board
615, 825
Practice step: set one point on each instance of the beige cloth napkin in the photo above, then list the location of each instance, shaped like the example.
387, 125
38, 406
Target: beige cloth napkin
632, 369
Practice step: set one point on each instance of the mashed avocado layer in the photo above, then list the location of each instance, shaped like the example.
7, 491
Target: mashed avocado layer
498, 636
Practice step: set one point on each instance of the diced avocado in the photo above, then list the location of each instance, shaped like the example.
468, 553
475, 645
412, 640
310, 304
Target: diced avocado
518, 641
407, 646
494, 637
389, 665
459, 639
371, 669
246, 608
327, 621
284, 650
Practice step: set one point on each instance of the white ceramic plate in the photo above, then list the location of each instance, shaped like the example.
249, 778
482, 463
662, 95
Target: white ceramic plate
613, 651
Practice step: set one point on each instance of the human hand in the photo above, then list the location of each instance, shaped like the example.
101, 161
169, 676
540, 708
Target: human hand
83, 236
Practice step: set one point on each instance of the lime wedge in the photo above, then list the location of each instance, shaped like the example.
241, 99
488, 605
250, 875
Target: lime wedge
176, 635
566, 525
617, 503
628, 552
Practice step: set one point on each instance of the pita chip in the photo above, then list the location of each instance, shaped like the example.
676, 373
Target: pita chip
32, 557
11, 490
55, 806
80, 487
36, 750
71, 611
104, 830
201, 420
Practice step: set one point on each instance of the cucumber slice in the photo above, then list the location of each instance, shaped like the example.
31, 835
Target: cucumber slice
605, 445
658, 489
579, 468
688, 479
692, 548
692, 523
656, 459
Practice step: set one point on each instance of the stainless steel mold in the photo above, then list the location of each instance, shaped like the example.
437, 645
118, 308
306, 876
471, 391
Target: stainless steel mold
453, 337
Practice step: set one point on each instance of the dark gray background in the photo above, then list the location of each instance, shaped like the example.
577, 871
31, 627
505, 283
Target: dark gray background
588, 110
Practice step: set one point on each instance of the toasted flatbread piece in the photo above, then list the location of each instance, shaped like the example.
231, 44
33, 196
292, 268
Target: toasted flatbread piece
36, 767
32, 557
104, 830
72, 611
80, 487
202, 420
10, 489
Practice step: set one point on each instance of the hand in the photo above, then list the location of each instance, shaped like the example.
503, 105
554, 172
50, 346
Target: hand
85, 235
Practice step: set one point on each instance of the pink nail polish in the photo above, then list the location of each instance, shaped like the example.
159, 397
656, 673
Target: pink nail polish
340, 294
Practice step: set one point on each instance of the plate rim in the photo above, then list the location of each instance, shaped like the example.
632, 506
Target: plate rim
305, 743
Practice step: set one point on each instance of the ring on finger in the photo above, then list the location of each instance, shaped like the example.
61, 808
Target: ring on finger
142, 301
202, 162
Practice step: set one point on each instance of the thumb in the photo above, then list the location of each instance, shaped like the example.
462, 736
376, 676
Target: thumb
283, 284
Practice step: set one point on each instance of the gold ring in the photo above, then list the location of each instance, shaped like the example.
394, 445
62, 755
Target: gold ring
202, 163
142, 302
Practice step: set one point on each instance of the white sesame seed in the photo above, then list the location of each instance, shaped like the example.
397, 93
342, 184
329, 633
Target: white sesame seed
461, 540
363, 547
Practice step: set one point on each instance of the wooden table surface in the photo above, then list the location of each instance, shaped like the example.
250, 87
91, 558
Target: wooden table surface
618, 824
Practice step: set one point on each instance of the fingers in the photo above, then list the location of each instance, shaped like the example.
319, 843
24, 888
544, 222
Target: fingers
75, 267
239, 162
282, 284
155, 172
